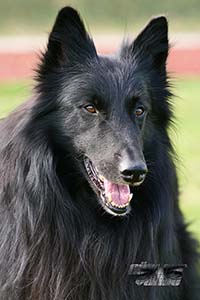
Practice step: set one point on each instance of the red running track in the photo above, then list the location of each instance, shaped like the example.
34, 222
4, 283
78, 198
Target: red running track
21, 65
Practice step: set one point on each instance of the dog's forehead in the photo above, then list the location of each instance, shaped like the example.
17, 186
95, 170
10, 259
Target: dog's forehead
108, 79
119, 76
115, 67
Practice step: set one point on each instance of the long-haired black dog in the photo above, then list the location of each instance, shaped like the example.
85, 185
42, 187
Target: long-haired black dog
76, 210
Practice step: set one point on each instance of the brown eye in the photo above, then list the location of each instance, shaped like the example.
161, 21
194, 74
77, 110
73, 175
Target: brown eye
90, 108
139, 111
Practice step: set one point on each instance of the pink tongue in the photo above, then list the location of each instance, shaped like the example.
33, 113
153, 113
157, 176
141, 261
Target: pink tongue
120, 193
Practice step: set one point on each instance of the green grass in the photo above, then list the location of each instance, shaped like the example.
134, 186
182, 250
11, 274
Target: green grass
186, 140
12, 94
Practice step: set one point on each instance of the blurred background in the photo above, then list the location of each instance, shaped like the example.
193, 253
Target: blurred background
24, 28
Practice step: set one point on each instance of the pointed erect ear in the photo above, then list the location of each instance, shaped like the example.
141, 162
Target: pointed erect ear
152, 42
68, 42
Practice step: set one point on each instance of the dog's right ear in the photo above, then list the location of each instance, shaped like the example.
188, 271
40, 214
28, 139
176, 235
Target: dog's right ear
151, 45
68, 43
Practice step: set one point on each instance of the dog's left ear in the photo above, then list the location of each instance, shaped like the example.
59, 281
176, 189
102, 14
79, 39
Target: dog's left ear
69, 41
151, 43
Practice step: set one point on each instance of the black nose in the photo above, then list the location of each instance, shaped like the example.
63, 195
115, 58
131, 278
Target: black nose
135, 174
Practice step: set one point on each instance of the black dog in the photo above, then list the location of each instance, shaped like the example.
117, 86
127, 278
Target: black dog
88, 185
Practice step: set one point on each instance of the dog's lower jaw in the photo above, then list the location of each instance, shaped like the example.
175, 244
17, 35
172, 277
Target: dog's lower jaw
118, 213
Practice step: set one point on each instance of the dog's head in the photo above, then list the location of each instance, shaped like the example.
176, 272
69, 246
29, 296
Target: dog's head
109, 106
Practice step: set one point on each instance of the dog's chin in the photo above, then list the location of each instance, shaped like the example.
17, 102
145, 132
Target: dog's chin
112, 204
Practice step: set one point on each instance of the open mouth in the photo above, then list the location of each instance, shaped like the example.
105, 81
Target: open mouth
115, 198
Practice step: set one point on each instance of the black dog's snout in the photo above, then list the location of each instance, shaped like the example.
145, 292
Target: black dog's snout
134, 174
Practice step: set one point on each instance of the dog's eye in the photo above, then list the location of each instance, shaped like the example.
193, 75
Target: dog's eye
139, 111
90, 108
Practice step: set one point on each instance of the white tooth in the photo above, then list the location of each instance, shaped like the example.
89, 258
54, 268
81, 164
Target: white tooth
130, 197
113, 204
101, 177
109, 197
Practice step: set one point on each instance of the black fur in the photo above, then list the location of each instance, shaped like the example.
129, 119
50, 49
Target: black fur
56, 241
